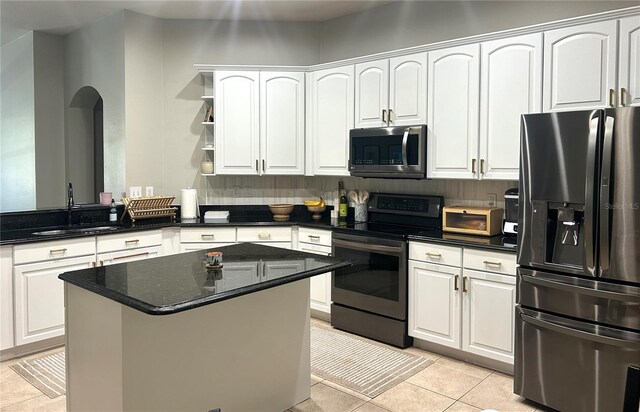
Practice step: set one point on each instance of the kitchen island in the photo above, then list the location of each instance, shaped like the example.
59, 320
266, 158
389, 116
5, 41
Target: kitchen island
171, 334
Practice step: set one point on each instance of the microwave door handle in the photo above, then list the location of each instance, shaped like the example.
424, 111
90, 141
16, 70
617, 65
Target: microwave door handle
405, 139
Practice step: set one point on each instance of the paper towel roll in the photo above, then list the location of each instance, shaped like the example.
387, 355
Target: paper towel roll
188, 203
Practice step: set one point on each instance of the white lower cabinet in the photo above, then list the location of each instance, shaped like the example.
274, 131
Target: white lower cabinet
39, 297
460, 308
487, 317
128, 247
434, 303
317, 242
6, 298
198, 238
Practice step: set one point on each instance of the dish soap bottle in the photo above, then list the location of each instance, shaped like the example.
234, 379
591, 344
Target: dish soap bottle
113, 212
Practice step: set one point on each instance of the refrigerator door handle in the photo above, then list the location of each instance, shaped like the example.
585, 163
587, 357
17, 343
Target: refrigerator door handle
605, 194
565, 330
625, 296
589, 215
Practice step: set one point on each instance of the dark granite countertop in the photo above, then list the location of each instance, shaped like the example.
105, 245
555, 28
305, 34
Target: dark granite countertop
175, 283
498, 243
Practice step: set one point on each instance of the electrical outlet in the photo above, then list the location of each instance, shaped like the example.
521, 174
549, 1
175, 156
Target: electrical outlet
148, 191
493, 199
135, 191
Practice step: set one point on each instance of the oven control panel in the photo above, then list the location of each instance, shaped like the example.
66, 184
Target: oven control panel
416, 205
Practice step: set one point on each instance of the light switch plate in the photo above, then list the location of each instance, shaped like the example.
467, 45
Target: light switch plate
135, 191
148, 191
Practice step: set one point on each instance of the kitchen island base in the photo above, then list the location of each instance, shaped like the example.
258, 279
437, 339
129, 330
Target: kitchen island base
249, 353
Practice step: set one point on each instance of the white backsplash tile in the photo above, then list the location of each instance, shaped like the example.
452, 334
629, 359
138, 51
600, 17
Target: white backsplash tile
252, 190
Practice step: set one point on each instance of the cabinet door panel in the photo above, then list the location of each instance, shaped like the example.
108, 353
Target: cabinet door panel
488, 315
630, 60
282, 123
408, 89
236, 123
39, 298
6, 298
434, 304
579, 66
511, 85
454, 81
331, 118
372, 93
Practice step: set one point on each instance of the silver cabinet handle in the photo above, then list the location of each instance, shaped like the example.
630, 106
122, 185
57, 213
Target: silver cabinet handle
464, 283
130, 256
612, 98
205, 236
314, 237
93, 264
54, 251
473, 166
623, 91
492, 263
481, 166
390, 117
433, 255
126, 242
264, 235
384, 115
263, 166
257, 169
455, 282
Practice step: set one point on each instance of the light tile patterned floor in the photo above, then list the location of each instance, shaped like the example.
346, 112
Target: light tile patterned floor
446, 385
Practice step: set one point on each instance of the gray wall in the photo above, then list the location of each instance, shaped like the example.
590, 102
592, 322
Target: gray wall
195, 41
17, 130
413, 23
95, 57
48, 65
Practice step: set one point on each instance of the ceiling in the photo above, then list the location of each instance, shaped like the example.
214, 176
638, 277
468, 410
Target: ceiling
18, 17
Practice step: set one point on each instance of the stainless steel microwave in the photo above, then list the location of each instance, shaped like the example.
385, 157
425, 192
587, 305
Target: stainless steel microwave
389, 152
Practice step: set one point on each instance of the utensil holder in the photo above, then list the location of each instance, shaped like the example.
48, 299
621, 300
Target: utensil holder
361, 214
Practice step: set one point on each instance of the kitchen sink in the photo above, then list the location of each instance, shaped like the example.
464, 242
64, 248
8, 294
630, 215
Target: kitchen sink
76, 230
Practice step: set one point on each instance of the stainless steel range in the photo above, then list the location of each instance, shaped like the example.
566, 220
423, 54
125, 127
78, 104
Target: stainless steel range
370, 297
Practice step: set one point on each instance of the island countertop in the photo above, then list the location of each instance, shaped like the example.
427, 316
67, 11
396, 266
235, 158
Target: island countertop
175, 283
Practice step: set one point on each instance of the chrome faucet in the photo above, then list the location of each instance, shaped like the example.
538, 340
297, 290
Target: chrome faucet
70, 203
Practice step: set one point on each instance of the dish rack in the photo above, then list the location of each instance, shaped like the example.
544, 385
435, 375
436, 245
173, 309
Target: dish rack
149, 207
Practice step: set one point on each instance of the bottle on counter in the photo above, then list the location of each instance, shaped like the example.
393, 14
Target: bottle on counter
343, 206
113, 212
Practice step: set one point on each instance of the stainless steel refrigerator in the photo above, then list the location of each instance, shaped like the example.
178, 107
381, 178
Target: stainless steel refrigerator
578, 284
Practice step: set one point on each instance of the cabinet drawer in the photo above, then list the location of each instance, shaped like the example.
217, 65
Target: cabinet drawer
264, 234
433, 253
191, 247
314, 236
498, 262
313, 248
208, 234
123, 256
131, 240
35, 252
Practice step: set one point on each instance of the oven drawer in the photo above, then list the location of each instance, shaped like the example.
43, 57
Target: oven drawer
435, 253
503, 263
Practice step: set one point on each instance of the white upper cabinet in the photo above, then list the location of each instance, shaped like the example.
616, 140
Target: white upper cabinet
629, 70
511, 85
391, 92
408, 90
282, 123
330, 116
237, 141
452, 121
580, 67
372, 94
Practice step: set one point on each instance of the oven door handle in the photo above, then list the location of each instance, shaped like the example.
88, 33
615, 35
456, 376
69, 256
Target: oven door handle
367, 247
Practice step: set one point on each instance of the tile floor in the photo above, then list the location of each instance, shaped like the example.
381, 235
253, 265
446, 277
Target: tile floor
446, 385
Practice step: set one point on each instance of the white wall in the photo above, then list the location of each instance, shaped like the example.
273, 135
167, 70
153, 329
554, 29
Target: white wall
17, 131
143, 84
413, 23
48, 66
95, 57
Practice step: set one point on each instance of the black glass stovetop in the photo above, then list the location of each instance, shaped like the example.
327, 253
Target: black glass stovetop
395, 231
